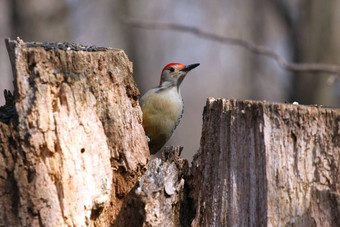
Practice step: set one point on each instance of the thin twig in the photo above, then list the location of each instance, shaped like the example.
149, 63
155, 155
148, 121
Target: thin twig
262, 50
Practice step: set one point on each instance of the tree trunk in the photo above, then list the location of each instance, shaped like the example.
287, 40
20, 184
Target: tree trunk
267, 164
77, 147
317, 40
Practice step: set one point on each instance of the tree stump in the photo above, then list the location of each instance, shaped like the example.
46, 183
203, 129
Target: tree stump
77, 147
73, 150
267, 164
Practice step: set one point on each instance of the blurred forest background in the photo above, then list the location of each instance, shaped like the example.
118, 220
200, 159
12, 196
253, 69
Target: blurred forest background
298, 30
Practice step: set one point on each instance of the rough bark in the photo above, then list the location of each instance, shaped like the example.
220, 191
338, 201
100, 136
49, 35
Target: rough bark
73, 153
161, 198
267, 164
162, 189
77, 147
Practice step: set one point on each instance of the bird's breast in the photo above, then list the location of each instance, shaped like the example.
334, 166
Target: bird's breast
161, 110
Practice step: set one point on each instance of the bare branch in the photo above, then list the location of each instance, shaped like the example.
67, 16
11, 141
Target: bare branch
257, 49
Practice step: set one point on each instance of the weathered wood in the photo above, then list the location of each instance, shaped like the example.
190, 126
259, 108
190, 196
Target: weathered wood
77, 147
74, 153
161, 198
161, 189
267, 164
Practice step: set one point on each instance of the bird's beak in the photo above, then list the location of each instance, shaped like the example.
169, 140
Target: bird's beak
189, 67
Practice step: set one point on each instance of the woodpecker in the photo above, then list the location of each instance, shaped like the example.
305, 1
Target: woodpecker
163, 107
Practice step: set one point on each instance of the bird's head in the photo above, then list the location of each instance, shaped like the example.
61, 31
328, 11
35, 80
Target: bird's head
174, 73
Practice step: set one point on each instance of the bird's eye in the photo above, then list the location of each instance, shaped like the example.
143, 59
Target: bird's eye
171, 69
